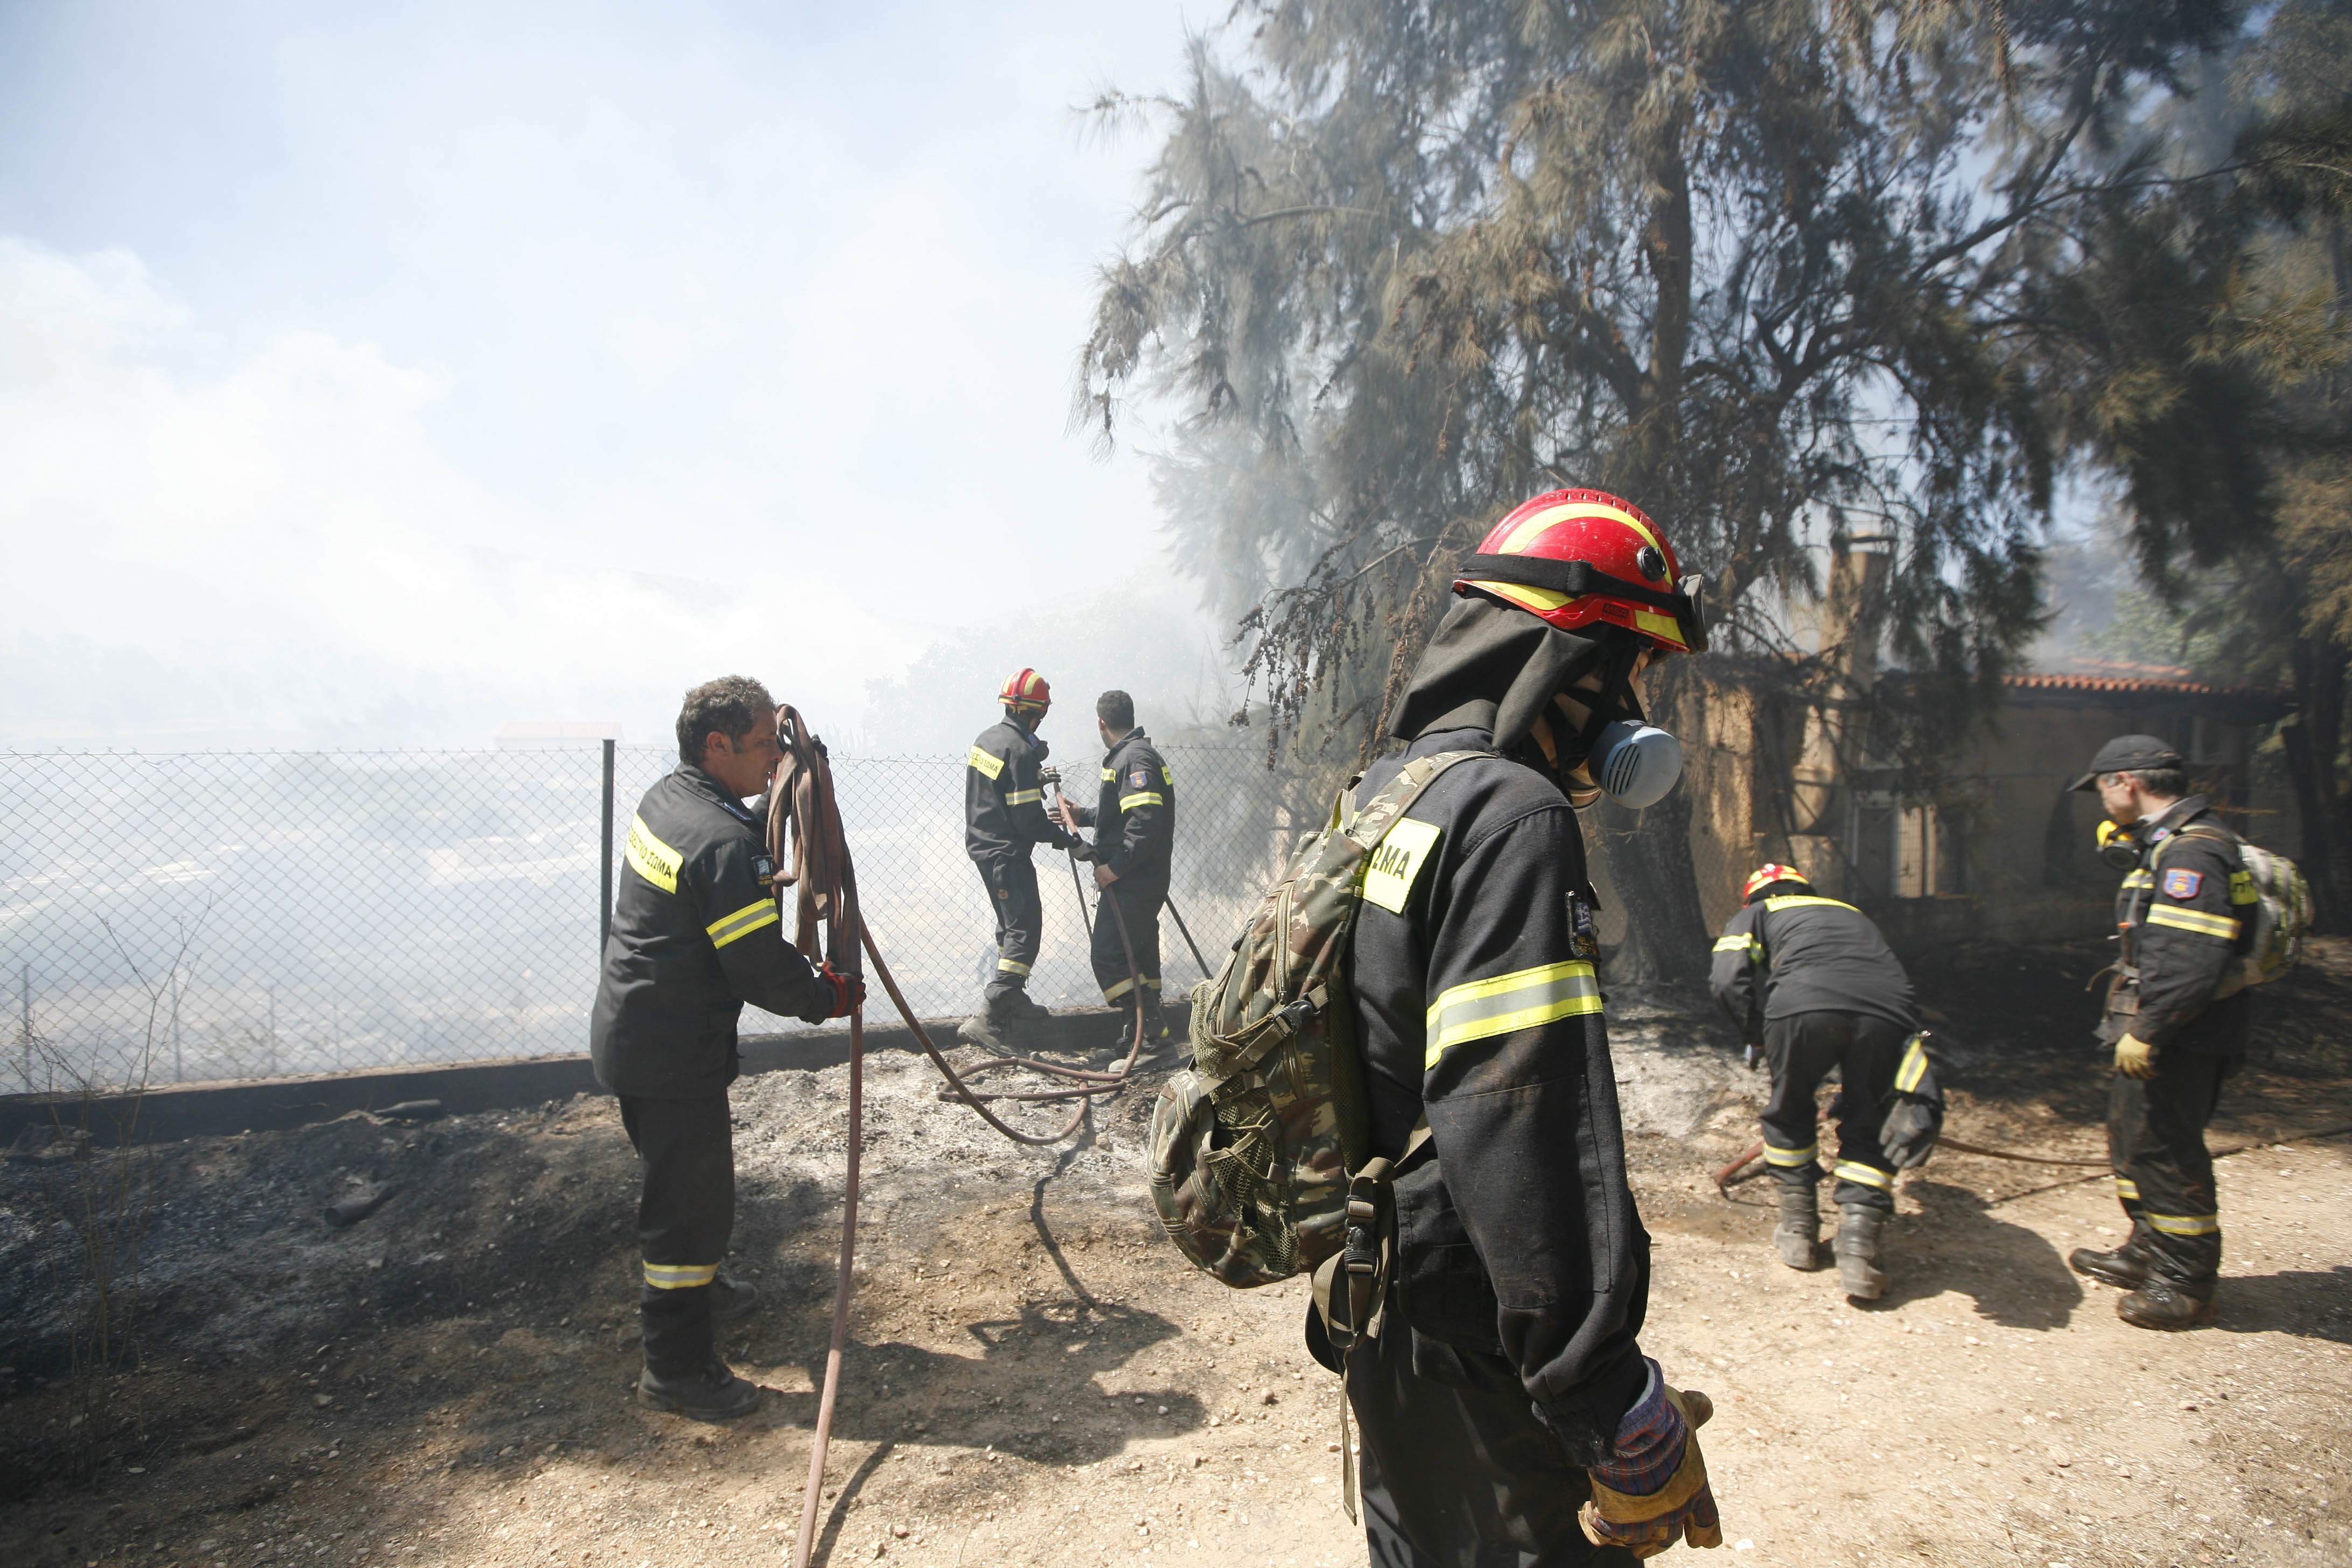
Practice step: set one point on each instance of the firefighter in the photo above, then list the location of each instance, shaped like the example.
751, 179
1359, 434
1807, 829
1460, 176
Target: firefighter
1004, 814
1810, 982
1135, 819
696, 934
2176, 1017
1508, 1413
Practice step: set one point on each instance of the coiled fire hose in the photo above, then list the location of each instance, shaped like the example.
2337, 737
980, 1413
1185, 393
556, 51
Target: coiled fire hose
811, 854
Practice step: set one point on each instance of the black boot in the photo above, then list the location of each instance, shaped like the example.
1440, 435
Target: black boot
1857, 1251
1015, 1007
1798, 1236
2126, 1268
2169, 1304
713, 1394
732, 1298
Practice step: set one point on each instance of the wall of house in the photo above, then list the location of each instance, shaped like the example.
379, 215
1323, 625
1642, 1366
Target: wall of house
2003, 852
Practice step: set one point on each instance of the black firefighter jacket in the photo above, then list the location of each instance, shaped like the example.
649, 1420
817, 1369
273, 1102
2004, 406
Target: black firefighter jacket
1799, 954
2182, 915
1003, 805
696, 934
1479, 1007
1136, 812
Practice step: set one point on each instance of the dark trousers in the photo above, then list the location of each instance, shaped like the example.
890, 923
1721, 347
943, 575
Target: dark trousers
2164, 1176
684, 1215
1461, 1477
1800, 1050
1140, 908
1020, 920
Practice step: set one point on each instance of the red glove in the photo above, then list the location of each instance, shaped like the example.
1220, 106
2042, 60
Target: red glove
846, 993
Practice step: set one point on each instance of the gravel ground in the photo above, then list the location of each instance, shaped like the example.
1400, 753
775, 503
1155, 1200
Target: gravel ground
1034, 1378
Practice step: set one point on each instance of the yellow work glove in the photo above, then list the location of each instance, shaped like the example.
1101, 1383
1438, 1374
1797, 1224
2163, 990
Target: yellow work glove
1658, 1452
2135, 1058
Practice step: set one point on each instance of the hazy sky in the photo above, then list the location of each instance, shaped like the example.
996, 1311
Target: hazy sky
373, 375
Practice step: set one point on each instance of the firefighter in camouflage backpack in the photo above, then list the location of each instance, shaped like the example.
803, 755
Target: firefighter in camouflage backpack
1508, 1413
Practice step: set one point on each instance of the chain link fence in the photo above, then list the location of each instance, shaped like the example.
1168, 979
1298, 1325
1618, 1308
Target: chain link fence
203, 916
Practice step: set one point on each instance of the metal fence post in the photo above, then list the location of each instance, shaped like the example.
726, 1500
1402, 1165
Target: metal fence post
25, 1017
605, 897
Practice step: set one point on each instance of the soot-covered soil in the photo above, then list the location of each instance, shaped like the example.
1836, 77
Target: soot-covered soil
1034, 1378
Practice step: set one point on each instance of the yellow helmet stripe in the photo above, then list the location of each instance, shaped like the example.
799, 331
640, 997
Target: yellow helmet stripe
1528, 531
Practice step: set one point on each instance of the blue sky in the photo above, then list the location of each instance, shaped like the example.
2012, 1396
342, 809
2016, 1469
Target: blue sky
374, 375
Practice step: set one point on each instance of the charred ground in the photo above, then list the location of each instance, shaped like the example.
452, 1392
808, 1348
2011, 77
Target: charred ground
1034, 1378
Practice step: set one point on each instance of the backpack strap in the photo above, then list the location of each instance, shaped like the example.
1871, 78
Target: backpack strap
1351, 1284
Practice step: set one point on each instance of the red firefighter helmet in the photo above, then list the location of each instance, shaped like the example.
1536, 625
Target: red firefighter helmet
1025, 690
1768, 874
1574, 557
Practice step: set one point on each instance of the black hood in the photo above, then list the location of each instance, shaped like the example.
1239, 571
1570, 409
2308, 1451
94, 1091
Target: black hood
1495, 667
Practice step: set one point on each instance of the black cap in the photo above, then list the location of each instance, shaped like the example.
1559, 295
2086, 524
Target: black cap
2129, 754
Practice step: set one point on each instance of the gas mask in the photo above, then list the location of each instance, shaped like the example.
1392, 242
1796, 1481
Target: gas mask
2119, 846
1635, 764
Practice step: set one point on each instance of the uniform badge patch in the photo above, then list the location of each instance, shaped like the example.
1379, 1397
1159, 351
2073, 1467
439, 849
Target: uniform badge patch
2183, 884
1395, 863
1139, 779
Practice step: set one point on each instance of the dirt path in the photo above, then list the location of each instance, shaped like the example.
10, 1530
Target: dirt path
1035, 1380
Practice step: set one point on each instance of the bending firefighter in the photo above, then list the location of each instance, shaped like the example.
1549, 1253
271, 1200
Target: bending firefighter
2178, 1018
1508, 1413
697, 935
1004, 817
1810, 982
1135, 821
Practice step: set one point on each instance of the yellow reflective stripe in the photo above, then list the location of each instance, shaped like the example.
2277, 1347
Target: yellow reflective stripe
1804, 1156
1007, 966
1653, 624
1113, 993
1517, 542
1868, 1175
720, 926
1152, 982
1914, 1067
761, 915
1024, 796
679, 1275
2143, 877
653, 860
1141, 797
1797, 900
1108, 774
1526, 999
2186, 1223
2197, 921
2127, 1188
989, 766
1731, 944
2242, 890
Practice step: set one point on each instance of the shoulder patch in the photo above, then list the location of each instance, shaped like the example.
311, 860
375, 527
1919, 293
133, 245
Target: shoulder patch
1394, 865
1139, 779
653, 860
2183, 884
989, 766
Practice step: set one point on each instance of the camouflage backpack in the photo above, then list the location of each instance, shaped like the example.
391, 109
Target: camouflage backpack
1255, 1148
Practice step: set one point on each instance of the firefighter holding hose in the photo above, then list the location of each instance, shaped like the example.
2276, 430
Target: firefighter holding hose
1812, 983
1005, 818
697, 935
1135, 819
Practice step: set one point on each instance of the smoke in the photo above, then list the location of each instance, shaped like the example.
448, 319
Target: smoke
283, 554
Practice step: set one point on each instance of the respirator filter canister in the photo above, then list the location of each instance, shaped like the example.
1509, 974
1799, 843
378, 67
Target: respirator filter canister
1636, 765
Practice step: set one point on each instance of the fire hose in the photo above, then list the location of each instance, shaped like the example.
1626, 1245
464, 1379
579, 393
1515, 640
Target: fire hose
811, 853
1739, 1171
